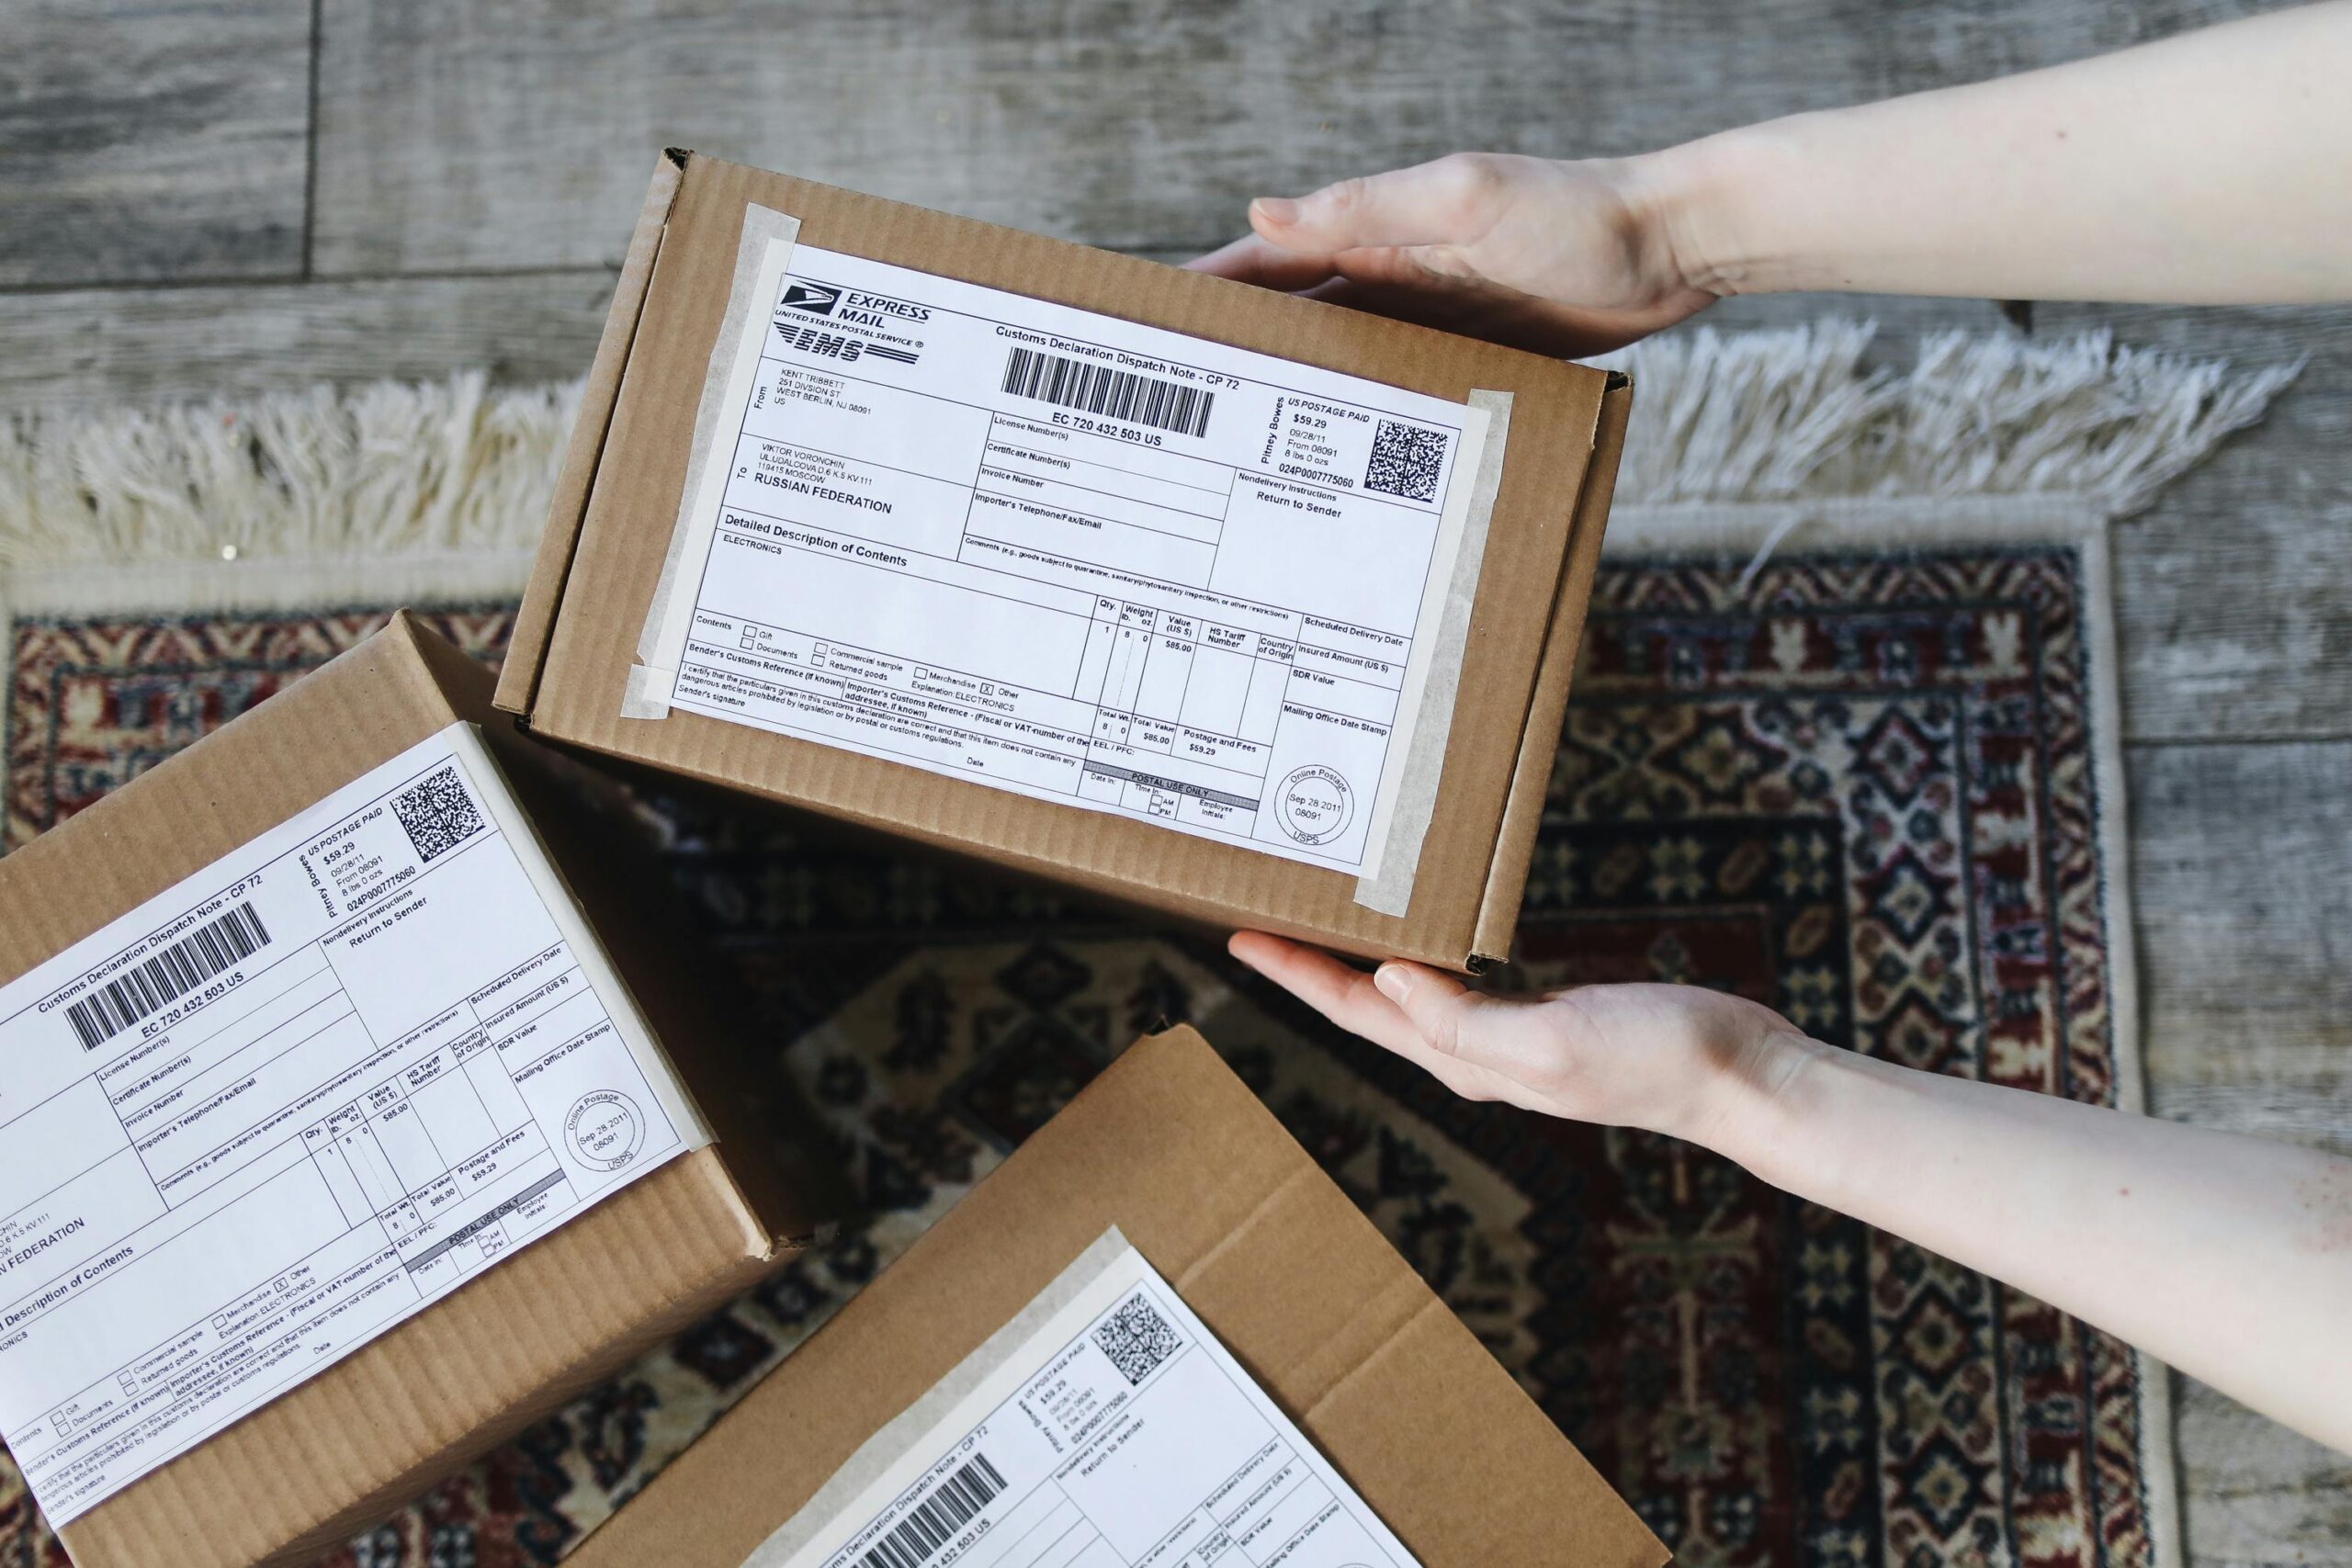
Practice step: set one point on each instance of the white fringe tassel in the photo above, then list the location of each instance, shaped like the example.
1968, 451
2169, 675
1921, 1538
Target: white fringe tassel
445, 468
1796, 415
456, 466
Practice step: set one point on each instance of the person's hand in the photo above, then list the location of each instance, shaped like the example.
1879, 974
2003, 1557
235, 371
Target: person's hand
1675, 1060
1563, 258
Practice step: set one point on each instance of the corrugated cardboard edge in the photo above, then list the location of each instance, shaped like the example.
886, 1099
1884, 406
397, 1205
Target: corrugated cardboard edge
1548, 703
526, 650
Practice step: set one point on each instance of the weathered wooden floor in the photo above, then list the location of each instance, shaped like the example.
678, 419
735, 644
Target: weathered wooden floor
232, 195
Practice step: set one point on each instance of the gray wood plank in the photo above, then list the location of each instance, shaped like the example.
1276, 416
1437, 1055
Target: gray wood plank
2242, 876
2254, 1492
2235, 589
98, 347
141, 141
457, 135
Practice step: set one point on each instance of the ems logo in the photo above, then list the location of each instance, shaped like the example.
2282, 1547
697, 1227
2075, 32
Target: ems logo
817, 298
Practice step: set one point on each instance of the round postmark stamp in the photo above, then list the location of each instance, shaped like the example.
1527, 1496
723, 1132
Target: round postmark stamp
606, 1128
1315, 804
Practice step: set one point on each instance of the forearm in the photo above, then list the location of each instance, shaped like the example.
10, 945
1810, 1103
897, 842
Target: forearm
2207, 168
2227, 1257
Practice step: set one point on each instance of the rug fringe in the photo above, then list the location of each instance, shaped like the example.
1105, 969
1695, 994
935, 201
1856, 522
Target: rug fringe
1797, 415
1792, 414
384, 470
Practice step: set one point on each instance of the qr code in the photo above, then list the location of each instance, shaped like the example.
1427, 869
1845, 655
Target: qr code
437, 813
1405, 461
1136, 1338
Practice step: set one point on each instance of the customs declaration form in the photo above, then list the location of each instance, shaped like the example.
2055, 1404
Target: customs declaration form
319, 1084
1105, 1428
1065, 554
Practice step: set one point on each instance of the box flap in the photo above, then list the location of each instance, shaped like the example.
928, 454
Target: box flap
526, 649
1172, 1148
1547, 705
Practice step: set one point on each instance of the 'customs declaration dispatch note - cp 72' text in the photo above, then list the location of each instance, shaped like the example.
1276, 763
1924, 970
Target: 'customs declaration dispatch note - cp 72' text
297, 1098
1066, 555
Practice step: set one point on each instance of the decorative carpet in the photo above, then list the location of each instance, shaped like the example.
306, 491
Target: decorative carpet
1866, 791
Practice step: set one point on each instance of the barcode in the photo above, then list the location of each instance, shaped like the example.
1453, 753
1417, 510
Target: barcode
934, 1522
1098, 389
167, 976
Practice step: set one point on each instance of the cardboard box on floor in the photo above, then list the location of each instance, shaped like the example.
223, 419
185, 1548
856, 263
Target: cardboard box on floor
610, 524
1169, 1146
333, 1453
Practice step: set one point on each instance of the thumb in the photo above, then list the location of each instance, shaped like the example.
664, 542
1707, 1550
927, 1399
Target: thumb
1403, 207
1440, 1007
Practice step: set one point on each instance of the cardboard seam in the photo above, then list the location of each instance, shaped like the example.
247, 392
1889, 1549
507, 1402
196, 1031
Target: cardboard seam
1242, 1226
1486, 895
651, 683
1479, 961
528, 684
1388, 1342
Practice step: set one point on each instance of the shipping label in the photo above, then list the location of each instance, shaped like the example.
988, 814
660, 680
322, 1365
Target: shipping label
1105, 1429
310, 1090
1066, 555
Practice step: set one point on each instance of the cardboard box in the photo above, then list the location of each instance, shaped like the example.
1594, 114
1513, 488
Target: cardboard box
1175, 1151
335, 1452
602, 566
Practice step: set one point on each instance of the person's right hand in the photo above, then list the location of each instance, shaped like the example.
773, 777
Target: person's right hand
1562, 258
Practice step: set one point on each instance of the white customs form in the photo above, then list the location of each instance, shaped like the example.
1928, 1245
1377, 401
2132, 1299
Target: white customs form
269, 1113
1065, 554
1104, 1428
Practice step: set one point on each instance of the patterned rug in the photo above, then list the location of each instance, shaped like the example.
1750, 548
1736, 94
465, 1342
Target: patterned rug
1861, 790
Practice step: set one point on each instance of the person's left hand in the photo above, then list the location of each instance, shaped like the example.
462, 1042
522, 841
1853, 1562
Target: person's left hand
1556, 256
1675, 1059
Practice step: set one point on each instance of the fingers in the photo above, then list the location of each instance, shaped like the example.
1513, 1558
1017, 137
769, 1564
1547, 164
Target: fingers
1340, 992
1349, 997
1250, 260
1426, 204
1441, 1008
1408, 274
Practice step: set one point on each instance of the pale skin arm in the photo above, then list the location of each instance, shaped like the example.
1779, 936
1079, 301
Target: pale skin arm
2228, 1256
2213, 167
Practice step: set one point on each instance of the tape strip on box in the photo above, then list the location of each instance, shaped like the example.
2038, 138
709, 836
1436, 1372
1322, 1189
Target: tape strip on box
1387, 888
650, 685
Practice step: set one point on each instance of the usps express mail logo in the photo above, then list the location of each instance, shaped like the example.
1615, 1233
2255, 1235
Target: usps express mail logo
817, 298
